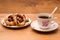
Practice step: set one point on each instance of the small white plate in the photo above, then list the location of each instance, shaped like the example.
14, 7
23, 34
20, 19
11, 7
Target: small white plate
36, 26
4, 24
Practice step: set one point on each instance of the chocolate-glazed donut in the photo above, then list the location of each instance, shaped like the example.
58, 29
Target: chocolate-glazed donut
21, 20
10, 20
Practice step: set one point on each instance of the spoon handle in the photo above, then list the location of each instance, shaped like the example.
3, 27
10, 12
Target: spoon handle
53, 11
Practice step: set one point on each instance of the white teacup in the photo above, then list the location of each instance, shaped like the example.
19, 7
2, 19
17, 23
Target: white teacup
44, 20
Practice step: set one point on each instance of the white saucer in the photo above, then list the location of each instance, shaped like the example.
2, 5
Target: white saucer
4, 24
35, 26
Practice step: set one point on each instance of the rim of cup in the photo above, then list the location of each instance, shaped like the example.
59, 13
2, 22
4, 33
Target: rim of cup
44, 14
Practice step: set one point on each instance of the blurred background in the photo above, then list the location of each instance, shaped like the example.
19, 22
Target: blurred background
29, 6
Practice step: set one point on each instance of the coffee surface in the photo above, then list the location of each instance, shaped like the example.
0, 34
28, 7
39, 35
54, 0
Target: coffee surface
44, 17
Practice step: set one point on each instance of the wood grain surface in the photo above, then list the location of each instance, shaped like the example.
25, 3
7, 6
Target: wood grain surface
27, 33
28, 6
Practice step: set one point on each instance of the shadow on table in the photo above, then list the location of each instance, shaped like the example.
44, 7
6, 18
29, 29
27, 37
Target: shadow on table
51, 32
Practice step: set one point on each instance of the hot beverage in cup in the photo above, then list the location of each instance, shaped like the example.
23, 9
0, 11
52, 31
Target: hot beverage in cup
44, 20
44, 17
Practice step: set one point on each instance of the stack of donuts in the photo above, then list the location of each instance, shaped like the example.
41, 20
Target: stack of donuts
16, 20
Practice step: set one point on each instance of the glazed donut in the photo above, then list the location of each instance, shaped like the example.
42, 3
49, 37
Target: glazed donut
20, 20
10, 20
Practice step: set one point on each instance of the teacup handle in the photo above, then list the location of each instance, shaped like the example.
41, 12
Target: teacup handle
54, 17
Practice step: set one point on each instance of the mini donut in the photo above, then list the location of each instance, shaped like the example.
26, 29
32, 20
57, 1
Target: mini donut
10, 20
20, 20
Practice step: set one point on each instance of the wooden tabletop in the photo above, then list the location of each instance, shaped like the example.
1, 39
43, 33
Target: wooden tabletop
28, 6
27, 33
